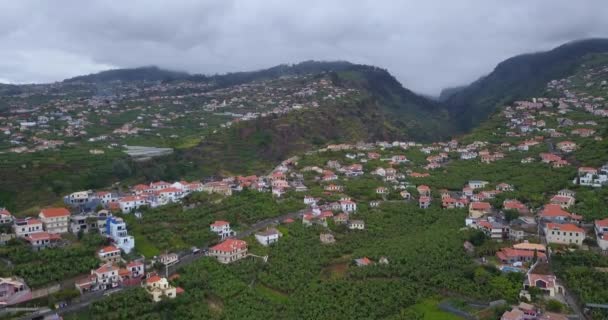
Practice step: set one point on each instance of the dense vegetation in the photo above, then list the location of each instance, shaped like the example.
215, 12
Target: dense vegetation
173, 228
304, 279
39, 268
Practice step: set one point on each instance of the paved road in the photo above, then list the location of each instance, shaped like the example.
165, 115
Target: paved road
87, 299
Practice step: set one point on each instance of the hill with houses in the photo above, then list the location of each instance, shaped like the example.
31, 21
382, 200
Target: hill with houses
505, 222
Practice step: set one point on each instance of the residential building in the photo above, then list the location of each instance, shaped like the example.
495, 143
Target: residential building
14, 290
27, 226
5, 216
42, 240
356, 225
601, 233
268, 236
222, 229
116, 229
109, 254
424, 202
159, 287
55, 220
564, 234
229, 250
479, 209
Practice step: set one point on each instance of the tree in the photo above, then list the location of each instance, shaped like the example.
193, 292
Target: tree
511, 215
554, 306
121, 169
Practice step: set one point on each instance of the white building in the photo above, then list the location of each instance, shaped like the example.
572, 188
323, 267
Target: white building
268, 237
116, 229
564, 234
222, 229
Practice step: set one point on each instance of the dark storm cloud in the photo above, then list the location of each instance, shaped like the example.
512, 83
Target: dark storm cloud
427, 44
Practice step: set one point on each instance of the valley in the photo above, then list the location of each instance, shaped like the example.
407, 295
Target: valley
312, 191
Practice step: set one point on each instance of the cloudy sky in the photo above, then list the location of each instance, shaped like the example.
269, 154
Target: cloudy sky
426, 44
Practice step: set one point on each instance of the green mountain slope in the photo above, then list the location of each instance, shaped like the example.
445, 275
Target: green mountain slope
518, 77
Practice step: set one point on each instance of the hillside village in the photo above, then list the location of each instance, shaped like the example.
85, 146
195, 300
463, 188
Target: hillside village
513, 217
126, 112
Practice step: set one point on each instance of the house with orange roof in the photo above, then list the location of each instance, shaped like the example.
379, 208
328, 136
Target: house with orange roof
479, 209
42, 240
222, 229
362, 262
55, 220
159, 287
5, 216
511, 204
348, 205
109, 254
105, 277
566, 233
563, 201
511, 255
424, 202
555, 213
424, 190
229, 250
26, 227
538, 278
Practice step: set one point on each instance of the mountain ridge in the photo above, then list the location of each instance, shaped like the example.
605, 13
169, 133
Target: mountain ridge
518, 77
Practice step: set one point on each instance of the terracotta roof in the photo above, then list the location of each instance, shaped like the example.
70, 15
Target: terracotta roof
220, 223
480, 205
554, 210
153, 279
43, 236
54, 212
530, 246
564, 227
108, 249
602, 223
230, 245
134, 264
106, 268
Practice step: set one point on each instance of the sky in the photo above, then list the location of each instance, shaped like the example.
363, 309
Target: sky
427, 44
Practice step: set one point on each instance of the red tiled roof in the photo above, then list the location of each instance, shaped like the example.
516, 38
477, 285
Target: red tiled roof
134, 264
554, 210
153, 279
220, 223
54, 212
564, 227
43, 236
480, 205
230, 245
602, 223
106, 268
108, 249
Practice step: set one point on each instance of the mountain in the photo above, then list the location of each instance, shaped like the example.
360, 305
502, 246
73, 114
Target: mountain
151, 73
446, 93
516, 78
384, 111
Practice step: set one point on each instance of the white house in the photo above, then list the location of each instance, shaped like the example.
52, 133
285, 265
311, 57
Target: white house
222, 229
347, 205
130, 203
566, 233
601, 232
477, 184
267, 237
116, 229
